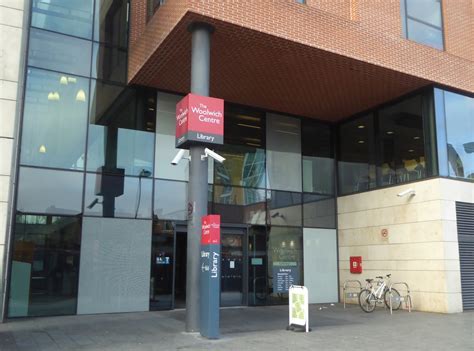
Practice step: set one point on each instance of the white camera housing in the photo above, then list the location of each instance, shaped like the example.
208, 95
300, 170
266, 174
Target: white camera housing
179, 156
410, 192
212, 154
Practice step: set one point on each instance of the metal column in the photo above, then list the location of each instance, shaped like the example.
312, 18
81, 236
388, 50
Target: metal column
197, 191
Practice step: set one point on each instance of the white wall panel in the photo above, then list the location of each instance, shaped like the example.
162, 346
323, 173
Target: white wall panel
115, 266
320, 264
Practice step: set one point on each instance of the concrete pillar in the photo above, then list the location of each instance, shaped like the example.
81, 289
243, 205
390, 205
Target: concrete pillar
197, 191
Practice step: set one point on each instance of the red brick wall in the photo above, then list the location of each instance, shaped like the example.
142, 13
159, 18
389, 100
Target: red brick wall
374, 34
459, 27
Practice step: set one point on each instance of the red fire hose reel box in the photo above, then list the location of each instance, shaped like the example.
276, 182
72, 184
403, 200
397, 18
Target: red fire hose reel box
356, 264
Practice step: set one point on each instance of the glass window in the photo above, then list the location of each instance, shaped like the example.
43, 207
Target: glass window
283, 153
422, 22
460, 134
318, 158
402, 151
244, 126
118, 196
45, 266
285, 251
356, 165
165, 139
162, 264
73, 17
109, 63
239, 205
54, 120
284, 208
171, 200
111, 22
59, 52
120, 133
50, 191
319, 211
243, 165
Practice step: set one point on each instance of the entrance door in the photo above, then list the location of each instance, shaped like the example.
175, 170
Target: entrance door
233, 267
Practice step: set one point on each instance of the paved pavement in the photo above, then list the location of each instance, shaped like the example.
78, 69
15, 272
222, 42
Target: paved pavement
252, 328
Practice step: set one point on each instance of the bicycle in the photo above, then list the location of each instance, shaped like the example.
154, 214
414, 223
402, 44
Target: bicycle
371, 295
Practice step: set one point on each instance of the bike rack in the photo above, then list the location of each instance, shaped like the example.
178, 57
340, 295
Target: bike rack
350, 294
406, 298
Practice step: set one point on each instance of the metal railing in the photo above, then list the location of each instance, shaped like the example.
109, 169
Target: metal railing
350, 294
405, 298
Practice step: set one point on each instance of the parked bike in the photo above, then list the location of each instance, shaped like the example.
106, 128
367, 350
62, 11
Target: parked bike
378, 292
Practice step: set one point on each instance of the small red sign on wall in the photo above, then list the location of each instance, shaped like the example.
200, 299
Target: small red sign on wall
211, 230
199, 120
356, 264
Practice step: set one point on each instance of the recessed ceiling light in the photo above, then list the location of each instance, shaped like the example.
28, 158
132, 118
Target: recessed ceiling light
361, 126
361, 141
411, 150
416, 137
390, 132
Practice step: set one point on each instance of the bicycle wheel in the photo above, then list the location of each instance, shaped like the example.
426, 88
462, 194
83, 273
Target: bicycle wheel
367, 301
396, 301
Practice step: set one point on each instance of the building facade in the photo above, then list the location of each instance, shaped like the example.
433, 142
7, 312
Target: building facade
332, 110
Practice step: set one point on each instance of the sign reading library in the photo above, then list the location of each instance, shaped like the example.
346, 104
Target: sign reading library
199, 120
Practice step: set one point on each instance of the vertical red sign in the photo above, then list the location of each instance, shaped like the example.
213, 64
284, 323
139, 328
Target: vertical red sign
211, 230
199, 120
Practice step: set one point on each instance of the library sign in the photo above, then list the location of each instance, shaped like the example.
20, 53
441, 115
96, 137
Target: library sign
210, 276
199, 120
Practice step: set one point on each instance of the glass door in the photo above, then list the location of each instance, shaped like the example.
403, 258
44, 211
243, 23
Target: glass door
233, 267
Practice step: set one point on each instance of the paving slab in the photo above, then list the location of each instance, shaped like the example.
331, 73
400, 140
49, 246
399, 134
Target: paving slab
247, 328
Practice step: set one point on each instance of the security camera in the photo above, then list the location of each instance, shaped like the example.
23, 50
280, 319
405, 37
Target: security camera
179, 156
410, 192
212, 154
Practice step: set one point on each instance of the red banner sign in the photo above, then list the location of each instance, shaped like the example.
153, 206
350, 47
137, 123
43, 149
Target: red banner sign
199, 119
211, 230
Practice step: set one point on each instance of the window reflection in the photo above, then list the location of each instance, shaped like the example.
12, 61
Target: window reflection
244, 166
54, 120
285, 251
73, 17
165, 139
356, 168
318, 158
111, 22
239, 205
49, 191
402, 143
118, 196
171, 199
284, 208
120, 133
283, 152
109, 63
319, 211
59, 52
45, 266
460, 134
422, 22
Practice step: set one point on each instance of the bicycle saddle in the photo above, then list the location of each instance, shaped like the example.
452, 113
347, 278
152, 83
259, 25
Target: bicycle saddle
369, 280
379, 277
388, 275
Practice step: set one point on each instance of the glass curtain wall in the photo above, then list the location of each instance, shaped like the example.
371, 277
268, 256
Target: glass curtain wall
76, 71
391, 145
455, 133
